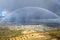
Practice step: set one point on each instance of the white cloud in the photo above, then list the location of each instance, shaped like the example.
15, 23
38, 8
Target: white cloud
4, 13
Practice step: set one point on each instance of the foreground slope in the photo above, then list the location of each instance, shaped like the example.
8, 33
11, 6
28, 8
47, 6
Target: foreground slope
29, 35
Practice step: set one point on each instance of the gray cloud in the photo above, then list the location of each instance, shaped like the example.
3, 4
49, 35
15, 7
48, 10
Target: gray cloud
11, 5
32, 15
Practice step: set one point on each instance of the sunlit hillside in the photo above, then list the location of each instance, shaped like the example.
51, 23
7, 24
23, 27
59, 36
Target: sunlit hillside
28, 34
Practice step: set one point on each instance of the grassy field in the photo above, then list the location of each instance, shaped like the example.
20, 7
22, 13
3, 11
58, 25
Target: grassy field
6, 34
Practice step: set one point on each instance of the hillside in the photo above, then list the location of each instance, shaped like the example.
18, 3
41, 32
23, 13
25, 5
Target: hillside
26, 34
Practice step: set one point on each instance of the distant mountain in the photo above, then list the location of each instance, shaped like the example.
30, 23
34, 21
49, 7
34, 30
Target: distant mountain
32, 15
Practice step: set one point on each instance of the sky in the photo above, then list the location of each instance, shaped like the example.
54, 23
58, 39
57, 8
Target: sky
32, 15
0, 12
11, 5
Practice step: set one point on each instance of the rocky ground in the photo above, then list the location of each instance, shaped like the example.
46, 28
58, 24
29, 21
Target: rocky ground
29, 32
29, 35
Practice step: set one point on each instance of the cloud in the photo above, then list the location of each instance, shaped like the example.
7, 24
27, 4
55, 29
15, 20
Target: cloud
31, 15
11, 5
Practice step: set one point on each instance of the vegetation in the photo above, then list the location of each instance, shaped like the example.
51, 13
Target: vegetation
6, 34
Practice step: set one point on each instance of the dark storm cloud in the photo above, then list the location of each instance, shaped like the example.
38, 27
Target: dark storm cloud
32, 15
11, 5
